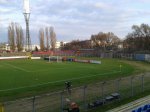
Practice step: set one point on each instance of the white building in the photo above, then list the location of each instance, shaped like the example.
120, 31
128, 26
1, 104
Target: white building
5, 47
58, 44
32, 47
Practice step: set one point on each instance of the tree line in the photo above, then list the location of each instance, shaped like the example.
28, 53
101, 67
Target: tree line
15, 36
136, 41
16, 40
47, 38
102, 41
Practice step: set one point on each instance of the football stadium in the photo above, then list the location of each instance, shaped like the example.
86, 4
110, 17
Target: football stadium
74, 56
47, 83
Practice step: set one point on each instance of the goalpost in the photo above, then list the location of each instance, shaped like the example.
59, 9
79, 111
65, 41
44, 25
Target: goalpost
49, 59
55, 59
59, 59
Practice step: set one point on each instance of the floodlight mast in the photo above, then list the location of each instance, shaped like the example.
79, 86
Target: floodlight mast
26, 12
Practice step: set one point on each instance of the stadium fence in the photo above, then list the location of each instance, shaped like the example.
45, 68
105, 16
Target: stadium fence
55, 102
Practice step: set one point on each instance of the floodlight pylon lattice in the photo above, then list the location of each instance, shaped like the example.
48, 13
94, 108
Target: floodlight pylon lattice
28, 40
26, 14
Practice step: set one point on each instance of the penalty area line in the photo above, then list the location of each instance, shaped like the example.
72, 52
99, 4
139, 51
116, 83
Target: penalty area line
25, 87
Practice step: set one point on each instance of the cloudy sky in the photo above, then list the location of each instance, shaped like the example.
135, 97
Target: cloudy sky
76, 19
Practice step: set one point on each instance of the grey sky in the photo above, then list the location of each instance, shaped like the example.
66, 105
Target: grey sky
76, 19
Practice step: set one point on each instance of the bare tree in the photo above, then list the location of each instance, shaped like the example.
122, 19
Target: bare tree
76, 45
11, 36
52, 38
41, 38
19, 37
138, 39
47, 37
105, 41
15, 36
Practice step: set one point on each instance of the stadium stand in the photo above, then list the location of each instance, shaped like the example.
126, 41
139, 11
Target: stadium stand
13, 54
54, 53
107, 99
140, 105
144, 108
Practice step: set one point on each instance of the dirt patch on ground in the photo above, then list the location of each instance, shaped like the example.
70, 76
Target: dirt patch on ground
139, 66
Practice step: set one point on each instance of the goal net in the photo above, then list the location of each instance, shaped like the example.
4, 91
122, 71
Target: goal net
55, 59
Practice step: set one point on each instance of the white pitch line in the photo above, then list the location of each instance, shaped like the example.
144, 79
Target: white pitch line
58, 81
44, 70
16, 67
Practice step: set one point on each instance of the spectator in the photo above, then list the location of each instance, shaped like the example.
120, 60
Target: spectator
73, 108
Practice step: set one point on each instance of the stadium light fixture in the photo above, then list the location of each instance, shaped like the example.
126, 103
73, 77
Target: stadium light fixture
26, 13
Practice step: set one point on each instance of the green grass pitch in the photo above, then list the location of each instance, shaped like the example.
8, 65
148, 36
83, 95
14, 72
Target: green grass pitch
32, 76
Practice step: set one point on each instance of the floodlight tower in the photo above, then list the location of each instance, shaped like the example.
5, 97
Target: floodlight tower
26, 12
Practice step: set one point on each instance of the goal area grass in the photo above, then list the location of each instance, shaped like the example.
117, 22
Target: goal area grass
24, 77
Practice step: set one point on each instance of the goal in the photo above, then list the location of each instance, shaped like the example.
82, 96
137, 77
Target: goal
55, 59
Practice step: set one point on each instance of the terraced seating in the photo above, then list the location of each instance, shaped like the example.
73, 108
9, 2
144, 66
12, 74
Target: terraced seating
106, 100
144, 108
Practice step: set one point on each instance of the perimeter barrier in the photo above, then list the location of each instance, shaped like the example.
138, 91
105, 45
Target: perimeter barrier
87, 96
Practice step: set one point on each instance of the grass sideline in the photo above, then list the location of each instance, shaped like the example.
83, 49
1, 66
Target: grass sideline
33, 77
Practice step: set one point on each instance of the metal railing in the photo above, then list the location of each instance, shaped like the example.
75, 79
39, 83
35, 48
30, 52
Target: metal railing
55, 102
